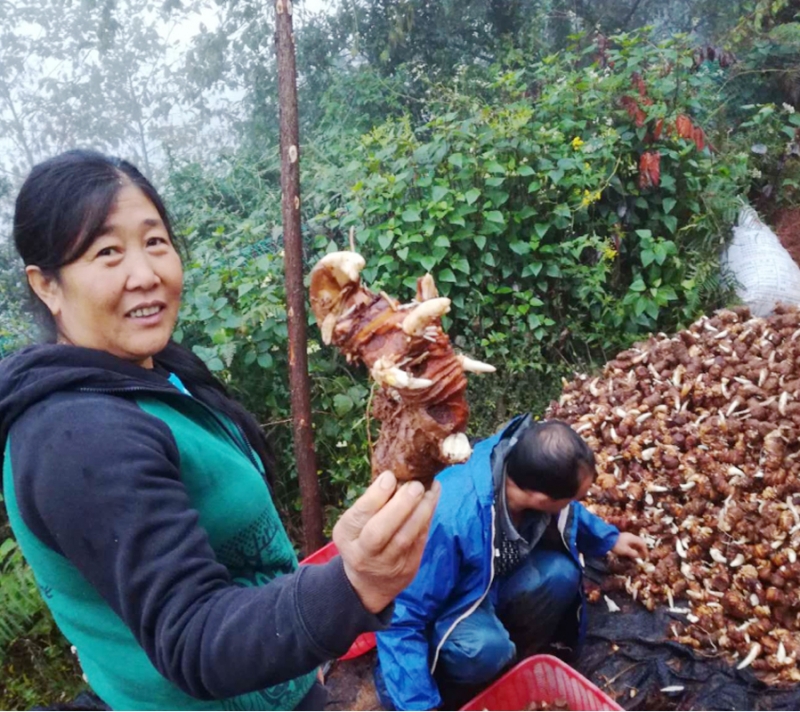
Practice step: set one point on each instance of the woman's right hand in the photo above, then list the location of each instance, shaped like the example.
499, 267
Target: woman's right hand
381, 538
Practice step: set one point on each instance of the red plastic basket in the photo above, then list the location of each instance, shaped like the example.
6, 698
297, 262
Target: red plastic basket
541, 678
366, 641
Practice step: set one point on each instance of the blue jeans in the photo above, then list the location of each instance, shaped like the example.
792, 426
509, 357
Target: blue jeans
528, 607
523, 609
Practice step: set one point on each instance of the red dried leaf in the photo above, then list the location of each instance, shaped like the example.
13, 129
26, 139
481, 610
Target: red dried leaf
699, 138
634, 110
650, 170
629, 105
685, 127
658, 129
639, 84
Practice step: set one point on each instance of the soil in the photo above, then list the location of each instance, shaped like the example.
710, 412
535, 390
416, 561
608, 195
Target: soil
786, 224
350, 685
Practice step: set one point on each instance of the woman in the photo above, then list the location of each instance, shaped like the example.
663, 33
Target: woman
136, 488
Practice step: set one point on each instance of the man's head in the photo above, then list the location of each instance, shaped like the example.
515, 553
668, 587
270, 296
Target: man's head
549, 467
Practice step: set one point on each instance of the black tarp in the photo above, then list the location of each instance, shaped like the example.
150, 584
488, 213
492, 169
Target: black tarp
629, 656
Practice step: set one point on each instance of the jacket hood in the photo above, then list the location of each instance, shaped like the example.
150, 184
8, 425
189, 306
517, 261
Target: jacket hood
36, 372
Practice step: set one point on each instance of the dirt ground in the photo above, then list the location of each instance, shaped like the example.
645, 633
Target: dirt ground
350, 685
786, 224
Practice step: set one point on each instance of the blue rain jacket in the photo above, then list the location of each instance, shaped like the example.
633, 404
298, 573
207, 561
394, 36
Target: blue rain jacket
457, 570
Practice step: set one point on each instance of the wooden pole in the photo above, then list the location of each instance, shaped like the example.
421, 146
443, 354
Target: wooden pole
295, 292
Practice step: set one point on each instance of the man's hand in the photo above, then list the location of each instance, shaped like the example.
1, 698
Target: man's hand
630, 545
381, 538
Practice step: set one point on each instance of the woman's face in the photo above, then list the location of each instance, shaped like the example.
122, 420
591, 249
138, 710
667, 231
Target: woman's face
122, 295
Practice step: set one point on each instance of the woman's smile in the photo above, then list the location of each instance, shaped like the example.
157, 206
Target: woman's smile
147, 314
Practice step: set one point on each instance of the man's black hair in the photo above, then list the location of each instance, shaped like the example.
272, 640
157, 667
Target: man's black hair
550, 458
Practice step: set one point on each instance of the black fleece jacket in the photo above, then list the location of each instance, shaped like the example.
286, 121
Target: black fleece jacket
279, 630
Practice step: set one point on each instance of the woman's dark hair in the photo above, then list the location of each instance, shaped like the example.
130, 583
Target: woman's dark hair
550, 458
60, 210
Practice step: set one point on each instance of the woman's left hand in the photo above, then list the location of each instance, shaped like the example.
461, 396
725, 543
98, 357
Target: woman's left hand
630, 545
382, 536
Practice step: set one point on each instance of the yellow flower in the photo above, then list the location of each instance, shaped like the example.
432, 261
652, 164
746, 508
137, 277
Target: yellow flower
589, 198
609, 253
577, 142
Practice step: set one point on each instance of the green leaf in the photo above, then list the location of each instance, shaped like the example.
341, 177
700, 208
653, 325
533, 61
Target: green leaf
525, 170
668, 204
441, 241
402, 253
245, 287
647, 257
6, 548
644, 233
265, 360
480, 241
472, 195
494, 216
427, 262
385, 239
638, 285
215, 364
553, 270
520, 248
532, 269
411, 215
671, 222
439, 191
556, 176
495, 167
456, 159
446, 275
342, 404
541, 229
461, 264
488, 259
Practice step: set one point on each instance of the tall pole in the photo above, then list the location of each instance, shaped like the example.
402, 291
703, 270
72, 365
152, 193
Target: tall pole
295, 292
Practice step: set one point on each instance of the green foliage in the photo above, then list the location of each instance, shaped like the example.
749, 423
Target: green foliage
526, 207
775, 168
35, 663
15, 319
19, 597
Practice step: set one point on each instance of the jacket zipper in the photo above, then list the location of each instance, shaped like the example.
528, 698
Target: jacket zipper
174, 391
474, 606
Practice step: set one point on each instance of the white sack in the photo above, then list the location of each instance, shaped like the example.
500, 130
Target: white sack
763, 270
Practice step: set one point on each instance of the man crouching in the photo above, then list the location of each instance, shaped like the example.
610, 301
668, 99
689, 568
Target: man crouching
502, 570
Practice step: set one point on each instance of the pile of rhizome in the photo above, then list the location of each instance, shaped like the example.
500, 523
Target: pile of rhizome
696, 439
